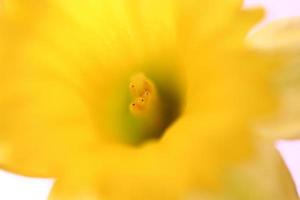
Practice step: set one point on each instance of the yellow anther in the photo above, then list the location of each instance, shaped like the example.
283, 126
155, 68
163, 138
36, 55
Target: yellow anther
144, 95
140, 84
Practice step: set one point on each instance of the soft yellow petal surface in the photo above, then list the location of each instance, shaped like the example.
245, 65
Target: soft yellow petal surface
283, 36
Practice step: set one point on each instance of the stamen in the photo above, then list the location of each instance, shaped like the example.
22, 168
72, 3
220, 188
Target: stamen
144, 95
152, 108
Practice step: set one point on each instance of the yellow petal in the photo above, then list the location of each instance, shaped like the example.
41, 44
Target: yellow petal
280, 35
283, 36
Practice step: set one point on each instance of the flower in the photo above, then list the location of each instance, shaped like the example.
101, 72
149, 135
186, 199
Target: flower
284, 36
128, 99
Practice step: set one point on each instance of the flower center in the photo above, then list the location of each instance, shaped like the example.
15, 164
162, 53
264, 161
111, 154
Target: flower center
149, 107
146, 106
139, 103
144, 95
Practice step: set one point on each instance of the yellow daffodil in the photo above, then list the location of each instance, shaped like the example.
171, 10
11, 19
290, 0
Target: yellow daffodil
129, 99
284, 36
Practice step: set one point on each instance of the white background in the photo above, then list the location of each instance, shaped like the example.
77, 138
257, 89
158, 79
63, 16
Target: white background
14, 187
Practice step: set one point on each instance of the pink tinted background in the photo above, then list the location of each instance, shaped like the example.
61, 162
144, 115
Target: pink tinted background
277, 8
290, 151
